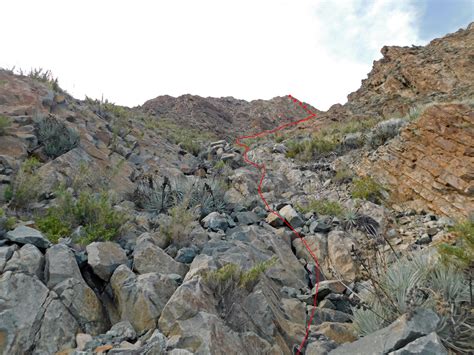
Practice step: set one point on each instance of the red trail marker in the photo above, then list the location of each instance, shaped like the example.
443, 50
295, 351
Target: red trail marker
262, 169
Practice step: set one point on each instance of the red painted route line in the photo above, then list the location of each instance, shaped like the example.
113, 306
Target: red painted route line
261, 167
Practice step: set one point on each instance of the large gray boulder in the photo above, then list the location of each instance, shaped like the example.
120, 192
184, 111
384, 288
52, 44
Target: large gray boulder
394, 337
62, 275
215, 221
427, 345
5, 254
148, 257
32, 318
141, 299
105, 257
28, 259
27, 235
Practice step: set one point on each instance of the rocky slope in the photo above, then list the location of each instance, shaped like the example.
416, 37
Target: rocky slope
122, 237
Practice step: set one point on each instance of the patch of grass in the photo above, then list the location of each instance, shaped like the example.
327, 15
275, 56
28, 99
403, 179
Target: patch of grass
6, 223
367, 188
175, 229
26, 185
5, 123
462, 253
94, 212
231, 275
219, 165
249, 278
343, 175
323, 207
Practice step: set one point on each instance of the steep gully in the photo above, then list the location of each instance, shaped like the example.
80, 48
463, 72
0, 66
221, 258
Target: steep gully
262, 169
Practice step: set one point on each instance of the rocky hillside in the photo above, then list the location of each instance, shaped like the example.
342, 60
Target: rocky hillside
140, 231
408, 77
228, 117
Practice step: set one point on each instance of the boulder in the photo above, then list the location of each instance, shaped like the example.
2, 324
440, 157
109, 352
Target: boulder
246, 217
338, 332
215, 221
186, 255
291, 216
122, 330
274, 220
60, 265
28, 259
140, 299
105, 257
32, 319
27, 235
427, 345
5, 254
339, 254
394, 337
147, 258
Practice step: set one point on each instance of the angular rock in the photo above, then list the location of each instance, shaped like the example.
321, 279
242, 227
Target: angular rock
27, 235
147, 258
105, 257
339, 254
215, 221
32, 318
247, 217
394, 337
140, 299
5, 254
427, 345
291, 216
338, 332
273, 220
186, 255
319, 227
60, 265
28, 259
122, 330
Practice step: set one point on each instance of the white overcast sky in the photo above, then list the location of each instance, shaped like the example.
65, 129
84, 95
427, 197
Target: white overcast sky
132, 51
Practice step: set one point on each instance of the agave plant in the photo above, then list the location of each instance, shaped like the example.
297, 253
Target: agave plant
56, 137
355, 220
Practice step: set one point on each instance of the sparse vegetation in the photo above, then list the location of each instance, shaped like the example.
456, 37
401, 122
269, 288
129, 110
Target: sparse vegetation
419, 282
322, 207
56, 137
230, 276
384, 131
368, 189
25, 188
160, 196
44, 76
343, 176
94, 212
175, 229
4, 125
6, 223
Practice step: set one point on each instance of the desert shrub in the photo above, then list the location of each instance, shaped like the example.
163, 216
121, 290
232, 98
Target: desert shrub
354, 220
231, 275
45, 76
25, 188
419, 282
462, 253
160, 196
4, 125
322, 207
384, 131
343, 175
56, 137
368, 189
94, 212
6, 223
307, 149
175, 228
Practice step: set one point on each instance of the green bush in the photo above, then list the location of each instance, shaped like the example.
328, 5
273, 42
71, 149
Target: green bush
462, 253
230, 276
368, 189
56, 137
384, 131
175, 229
6, 223
94, 212
323, 207
26, 185
4, 125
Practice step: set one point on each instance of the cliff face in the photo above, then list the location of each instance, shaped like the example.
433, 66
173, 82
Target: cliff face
407, 77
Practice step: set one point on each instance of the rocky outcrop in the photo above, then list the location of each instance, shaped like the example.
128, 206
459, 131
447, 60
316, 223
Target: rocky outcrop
407, 77
431, 165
